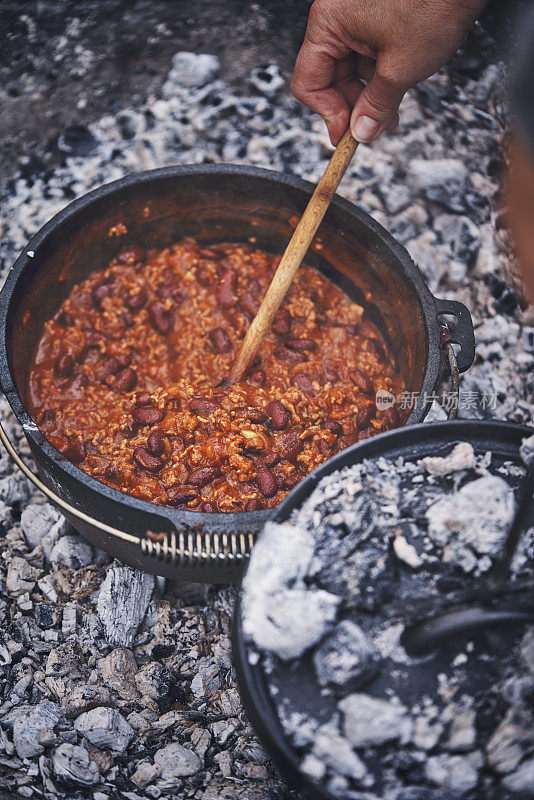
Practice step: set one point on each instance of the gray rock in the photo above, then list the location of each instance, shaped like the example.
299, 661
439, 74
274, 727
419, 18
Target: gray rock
145, 774
15, 488
369, 721
457, 773
175, 762
461, 457
153, 680
473, 521
119, 670
279, 613
268, 80
72, 552
42, 524
461, 236
335, 751
511, 740
345, 658
521, 782
30, 722
425, 173
21, 576
122, 602
83, 697
191, 71
73, 764
105, 728
462, 733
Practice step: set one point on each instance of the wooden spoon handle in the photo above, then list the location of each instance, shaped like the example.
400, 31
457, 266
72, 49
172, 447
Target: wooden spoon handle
294, 254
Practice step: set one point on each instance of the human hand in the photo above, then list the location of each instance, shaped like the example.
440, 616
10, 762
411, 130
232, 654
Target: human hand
359, 58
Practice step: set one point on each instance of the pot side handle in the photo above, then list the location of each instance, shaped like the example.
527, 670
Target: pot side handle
461, 332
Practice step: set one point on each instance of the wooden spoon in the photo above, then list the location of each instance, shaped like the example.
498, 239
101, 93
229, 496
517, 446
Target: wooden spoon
294, 254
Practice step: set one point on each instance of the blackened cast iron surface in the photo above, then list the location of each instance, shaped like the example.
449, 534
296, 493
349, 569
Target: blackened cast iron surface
503, 439
212, 204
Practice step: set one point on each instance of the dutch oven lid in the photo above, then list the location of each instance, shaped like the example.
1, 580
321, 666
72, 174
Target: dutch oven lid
345, 686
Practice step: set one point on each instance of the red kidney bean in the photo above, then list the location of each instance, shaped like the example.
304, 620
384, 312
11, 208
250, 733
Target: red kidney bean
147, 415
292, 479
256, 378
303, 381
124, 358
220, 340
249, 304
126, 380
324, 447
290, 446
365, 434
209, 508
90, 448
159, 317
301, 344
142, 399
169, 290
375, 347
112, 472
75, 452
363, 418
156, 442
330, 372
126, 319
292, 356
226, 291
282, 322
362, 381
202, 476
64, 366
130, 428
147, 460
255, 415
65, 319
203, 276
253, 505
267, 460
130, 255
202, 405
111, 367
100, 292
179, 494
334, 427
278, 413
390, 418
254, 286
138, 300
266, 481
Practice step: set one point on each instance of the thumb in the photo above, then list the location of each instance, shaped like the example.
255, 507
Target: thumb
377, 105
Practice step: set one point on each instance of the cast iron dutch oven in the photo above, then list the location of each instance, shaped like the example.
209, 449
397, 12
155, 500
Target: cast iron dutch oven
502, 439
212, 204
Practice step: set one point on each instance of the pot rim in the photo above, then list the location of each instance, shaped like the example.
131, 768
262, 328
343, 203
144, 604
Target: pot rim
178, 517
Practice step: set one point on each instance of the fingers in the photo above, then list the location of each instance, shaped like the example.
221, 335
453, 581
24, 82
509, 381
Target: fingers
312, 84
377, 106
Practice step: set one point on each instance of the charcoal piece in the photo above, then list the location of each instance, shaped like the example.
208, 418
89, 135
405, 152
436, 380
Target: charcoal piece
346, 658
122, 602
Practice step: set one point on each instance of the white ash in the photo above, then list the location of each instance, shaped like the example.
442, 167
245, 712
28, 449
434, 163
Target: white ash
386, 539
257, 123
